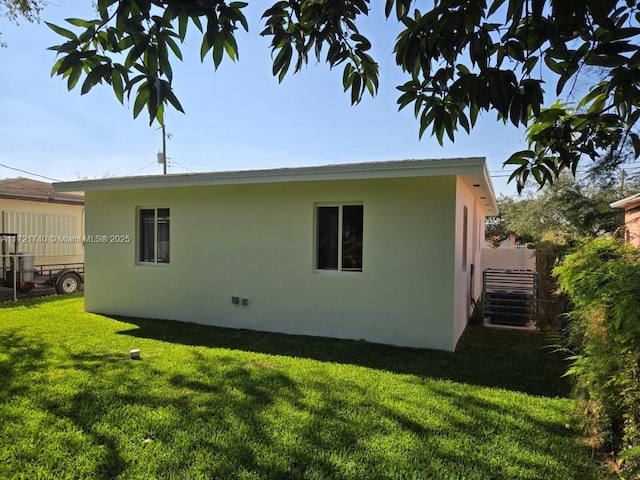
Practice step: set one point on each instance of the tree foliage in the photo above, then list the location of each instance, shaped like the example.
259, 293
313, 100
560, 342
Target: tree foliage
568, 209
460, 58
27, 9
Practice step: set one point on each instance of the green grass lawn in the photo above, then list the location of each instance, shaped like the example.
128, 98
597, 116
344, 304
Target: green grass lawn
208, 402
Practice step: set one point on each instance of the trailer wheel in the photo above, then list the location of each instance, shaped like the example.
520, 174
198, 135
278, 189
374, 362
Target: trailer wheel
67, 283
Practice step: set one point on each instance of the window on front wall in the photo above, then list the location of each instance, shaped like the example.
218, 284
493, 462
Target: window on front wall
339, 237
154, 240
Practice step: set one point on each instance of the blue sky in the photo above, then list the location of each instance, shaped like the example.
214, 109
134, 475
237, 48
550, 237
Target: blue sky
239, 117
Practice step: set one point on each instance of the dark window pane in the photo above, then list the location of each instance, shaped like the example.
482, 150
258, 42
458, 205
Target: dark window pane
352, 237
147, 235
163, 235
327, 238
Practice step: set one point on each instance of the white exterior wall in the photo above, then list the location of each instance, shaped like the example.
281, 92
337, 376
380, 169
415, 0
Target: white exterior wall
520, 258
257, 242
466, 287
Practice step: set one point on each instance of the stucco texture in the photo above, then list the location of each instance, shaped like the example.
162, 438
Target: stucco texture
632, 222
256, 241
467, 272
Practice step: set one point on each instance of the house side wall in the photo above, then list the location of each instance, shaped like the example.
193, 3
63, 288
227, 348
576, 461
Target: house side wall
632, 222
73, 244
480, 216
467, 275
257, 242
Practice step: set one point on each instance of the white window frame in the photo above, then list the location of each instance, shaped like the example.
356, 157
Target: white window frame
139, 239
339, 270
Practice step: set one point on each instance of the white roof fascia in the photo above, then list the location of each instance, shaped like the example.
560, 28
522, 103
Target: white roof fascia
492, 193
625, 201
355, 171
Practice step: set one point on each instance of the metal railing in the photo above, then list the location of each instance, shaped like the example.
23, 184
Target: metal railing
20, 278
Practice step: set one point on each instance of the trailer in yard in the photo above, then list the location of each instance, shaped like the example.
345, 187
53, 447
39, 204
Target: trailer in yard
18, 270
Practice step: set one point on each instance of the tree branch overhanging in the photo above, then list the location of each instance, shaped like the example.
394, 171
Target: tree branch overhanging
460, 58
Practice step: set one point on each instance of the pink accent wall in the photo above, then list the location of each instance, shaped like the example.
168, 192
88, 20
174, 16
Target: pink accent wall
632, 222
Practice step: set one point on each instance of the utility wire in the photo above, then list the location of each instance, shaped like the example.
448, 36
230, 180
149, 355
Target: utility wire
141, 168
183, 166
29, 173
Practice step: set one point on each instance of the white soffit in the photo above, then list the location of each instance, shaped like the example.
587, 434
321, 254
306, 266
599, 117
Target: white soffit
482, 188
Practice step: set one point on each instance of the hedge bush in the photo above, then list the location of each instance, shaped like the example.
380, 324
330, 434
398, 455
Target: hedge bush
602, 279
552, 303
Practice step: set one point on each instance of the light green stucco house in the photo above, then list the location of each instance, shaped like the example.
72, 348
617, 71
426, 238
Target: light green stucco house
386, 251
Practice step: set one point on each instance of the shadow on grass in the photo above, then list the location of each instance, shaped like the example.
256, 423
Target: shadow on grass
225, 417
24, 359
513, 360
19, 357
35, 298
218, 412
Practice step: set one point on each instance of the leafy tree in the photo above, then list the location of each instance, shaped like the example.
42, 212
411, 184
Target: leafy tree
568, 209
460, 57
27, 9
528, 217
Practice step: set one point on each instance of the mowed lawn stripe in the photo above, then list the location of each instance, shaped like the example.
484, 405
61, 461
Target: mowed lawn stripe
207, 402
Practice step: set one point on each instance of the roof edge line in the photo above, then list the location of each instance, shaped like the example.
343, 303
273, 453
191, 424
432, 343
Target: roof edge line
322, 170
42, 198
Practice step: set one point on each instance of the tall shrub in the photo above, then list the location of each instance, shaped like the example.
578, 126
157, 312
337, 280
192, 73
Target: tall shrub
602, 279
551, 302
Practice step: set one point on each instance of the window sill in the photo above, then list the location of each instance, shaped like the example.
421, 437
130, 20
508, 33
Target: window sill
336, 273
152, 264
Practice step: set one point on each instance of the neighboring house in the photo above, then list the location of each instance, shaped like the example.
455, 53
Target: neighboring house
508, 244
386, 252
48, 224
631, 207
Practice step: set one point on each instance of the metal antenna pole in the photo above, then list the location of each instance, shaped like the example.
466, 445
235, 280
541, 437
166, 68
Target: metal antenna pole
164, 150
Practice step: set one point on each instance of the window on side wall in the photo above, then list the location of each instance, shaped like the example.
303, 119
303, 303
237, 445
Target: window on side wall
154, 239
339, 231
465, 235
